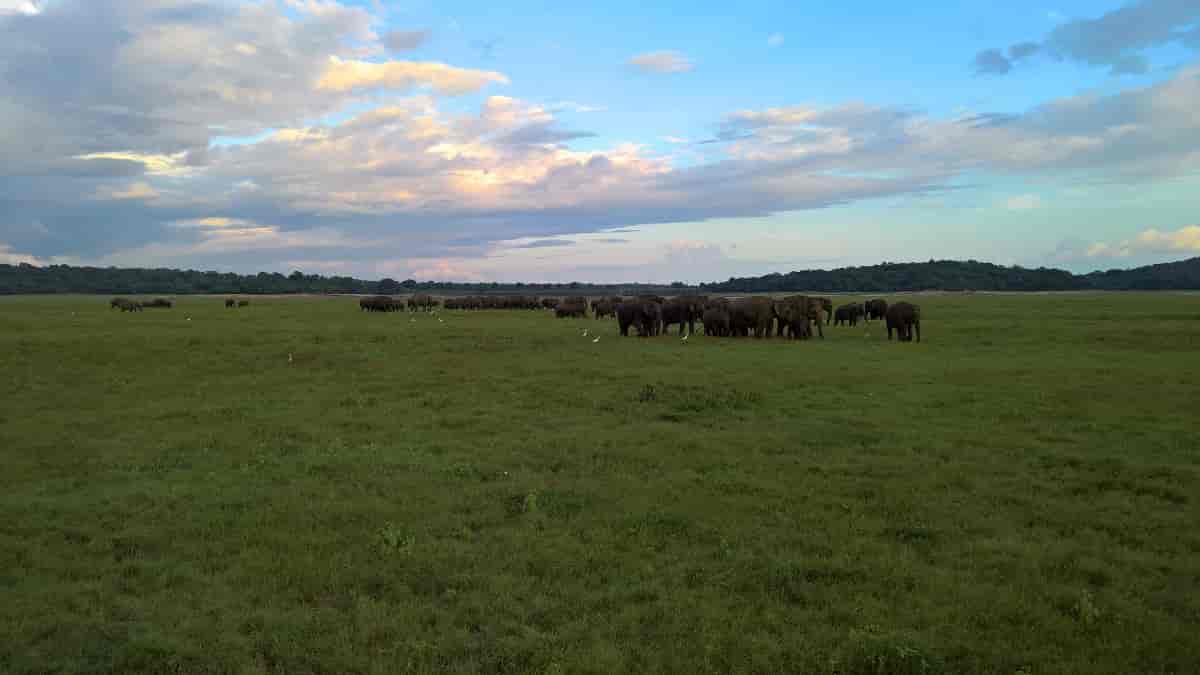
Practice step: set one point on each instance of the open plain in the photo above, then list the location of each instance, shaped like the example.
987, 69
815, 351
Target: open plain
296, 486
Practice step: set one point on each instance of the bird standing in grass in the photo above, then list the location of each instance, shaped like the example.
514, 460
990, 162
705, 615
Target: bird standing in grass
685, 337
597, 339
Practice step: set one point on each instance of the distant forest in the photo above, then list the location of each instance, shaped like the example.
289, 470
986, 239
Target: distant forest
946, 275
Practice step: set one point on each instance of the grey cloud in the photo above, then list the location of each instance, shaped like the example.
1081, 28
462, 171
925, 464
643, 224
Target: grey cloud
541, 133
405, 40
1023, 50
546, 243
1114, 40
991, 62
410, 178
192, 12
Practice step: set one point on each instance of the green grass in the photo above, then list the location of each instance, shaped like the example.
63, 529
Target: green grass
496, 493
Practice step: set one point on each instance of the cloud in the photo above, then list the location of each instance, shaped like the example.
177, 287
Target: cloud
1023, 50
1184, 241
10, 257
544, 243
573, 106
353, 75
27, 7
138, 190
1023, 203
674, 140
991, 62
541, 133
661, 62
154, 165
1116, 40
775, 40
405, 40
108, 109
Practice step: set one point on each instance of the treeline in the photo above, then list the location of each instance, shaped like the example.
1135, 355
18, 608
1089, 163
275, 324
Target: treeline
25, 278
970, 275
946, 275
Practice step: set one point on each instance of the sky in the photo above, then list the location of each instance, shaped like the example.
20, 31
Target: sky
623, 141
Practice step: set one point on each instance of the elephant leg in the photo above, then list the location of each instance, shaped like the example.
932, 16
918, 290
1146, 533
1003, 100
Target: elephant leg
917, 326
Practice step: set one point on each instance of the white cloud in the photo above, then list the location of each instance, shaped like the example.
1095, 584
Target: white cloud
27, 7
1023, 202
662, 62
126, 169
154, 165
1185, 240
10, 257
351, 75
775, 40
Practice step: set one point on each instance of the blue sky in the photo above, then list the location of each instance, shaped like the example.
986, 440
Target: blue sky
628, 141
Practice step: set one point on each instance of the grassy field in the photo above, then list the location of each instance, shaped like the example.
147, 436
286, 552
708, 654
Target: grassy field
298, 487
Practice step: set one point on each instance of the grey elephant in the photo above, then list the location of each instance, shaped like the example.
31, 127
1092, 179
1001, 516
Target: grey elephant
905, 318
848, 314
875, 309
752, 315
645, 315
716, 321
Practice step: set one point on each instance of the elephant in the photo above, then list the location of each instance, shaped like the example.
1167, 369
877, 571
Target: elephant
904, 317
381, 303
848, 314
117, 302
683, 310
128, 305
752, 315
798, 313
827, 306
645, 315
230, 302
605, 307
716, 321
875, 309
425, 303
159, 302
549, 303
571, 309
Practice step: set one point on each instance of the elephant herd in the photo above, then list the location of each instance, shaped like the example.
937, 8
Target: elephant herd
127, 305
903, 318
499, 302
794, 316
385, 303
798, 317
231, 303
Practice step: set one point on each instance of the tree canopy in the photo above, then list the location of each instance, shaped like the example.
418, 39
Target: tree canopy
947, 275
